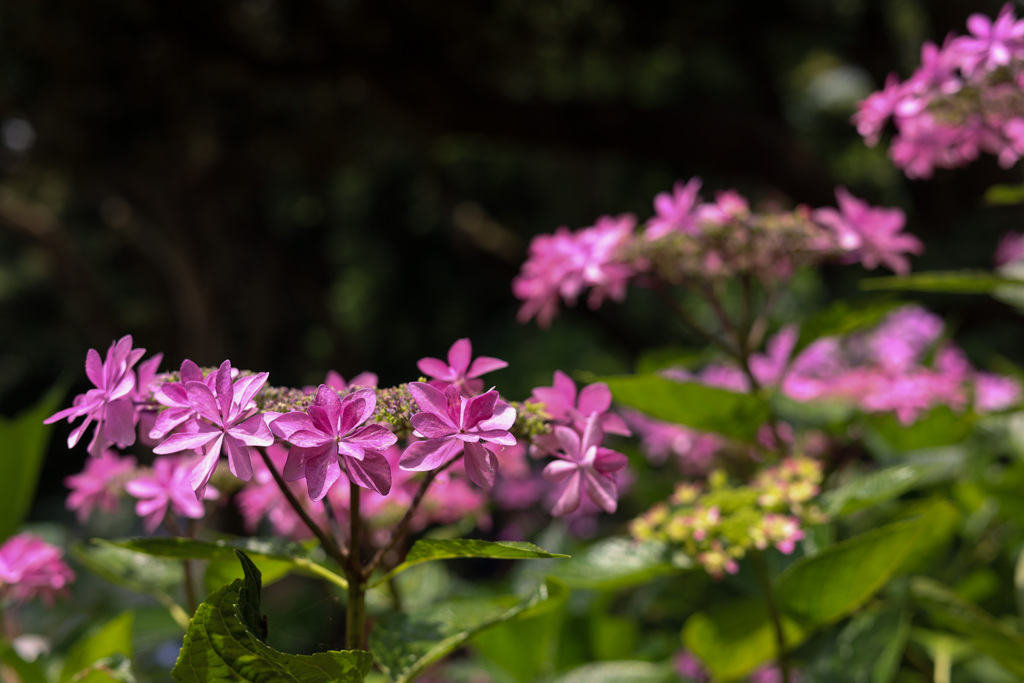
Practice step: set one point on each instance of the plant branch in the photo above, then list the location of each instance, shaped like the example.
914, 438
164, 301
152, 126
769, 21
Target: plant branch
761, 570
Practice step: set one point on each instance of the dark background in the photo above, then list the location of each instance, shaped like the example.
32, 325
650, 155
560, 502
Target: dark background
300, 186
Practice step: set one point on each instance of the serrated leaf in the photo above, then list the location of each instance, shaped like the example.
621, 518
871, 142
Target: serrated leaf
951, 282
708, 409
619, 671
404, 644
219, 646
828, 586
842, 318
25, 439
296, 554
734, 638
618, 562
886, 484
429, 549
984, 631
112, 638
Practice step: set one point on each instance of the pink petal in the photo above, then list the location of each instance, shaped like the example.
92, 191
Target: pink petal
238, 458
481, 465
429, 399
295, 465
225, 390
373, 472
422, 456
373, 438
119, 422
504, 417
608, 461
203, 470
321, 473
94, 368
327, 399
569, 497
594, 398
568, 441
204, 402
459, 355
289, 423
253, 432
189, 440
602, 490
356, 409
485, 364
434, 367
558, 470
431, 426
479, 408
246, 387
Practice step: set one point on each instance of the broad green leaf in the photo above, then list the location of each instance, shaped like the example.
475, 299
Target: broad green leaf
619, 562
1005, 194
617, 672
28, 672
112, 669
222, 572
221, 645
938, 427
886, 484
828, 586
984, 631
952, 282
112, 638
734, 638
708, 409
405, 643
842, 318
867, 650
145, 574
23, 442
428, 549
527, 648
295, 554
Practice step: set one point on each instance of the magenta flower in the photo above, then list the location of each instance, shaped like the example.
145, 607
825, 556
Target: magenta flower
994, 43
227, 420
675, 212
110, 403
99, 484
173, 395
453, 424
584, 464
331, 436
871, 234
167, 487
459, 371
31, 567
564, 405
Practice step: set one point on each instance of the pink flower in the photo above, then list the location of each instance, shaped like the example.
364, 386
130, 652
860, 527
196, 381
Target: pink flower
167, 488
870, 234
674, 212
110, 403
178, 409
228, 419
30, 567
363, 379
564, 405
459, 371
875, 110
583, 464
331, 436
261, 498
994, 43
995, 392
1010, 249
99, 484
453, 424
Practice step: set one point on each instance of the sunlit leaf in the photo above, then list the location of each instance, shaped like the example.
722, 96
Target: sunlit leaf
1005, 194
886, 484
426, 550
224, 642
951, 282
708, 409
619, 562
828, 586
112, 638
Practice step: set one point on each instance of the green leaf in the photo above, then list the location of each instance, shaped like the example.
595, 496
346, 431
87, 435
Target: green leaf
616, 672
842, 318
828, 586
296, 554
404, 644
934, 429
619, 562
1005, 195
427, 550
887, 484
952, 282
220, 644
527, 648
708, 409
734, 638
112, 638
24, 438
984, 631
113, 669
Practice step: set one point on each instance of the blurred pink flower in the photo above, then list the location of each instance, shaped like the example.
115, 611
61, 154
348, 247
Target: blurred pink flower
30, 567
167, 489
99, 484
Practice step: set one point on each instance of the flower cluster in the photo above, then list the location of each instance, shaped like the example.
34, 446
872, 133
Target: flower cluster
30, 567
315, 438
966, 97
690, 242
719, 526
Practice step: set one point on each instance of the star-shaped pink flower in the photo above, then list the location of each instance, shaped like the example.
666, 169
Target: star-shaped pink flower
584, 465
459, 370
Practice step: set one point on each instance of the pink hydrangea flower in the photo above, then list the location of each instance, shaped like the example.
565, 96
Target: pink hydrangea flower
110, 404
995, 392
30, 568
584, 465
871, 235
261, 498
459, 371
564, 405
99, 485
167, 488
992, 44
226, 420
453, 424
178, 409
675, 212
331, 436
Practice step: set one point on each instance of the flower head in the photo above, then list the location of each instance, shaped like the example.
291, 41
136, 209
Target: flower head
99, 484
584, 465
459, 371
31, 567
167, 489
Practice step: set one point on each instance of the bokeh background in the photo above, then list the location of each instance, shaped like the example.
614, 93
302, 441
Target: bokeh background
352, 184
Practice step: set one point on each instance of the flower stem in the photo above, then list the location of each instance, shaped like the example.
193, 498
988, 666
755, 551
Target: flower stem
761, 570
355, 614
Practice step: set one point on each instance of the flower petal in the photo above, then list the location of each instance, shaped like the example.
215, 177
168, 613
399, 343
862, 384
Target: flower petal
481, 465
422, 456
372, 472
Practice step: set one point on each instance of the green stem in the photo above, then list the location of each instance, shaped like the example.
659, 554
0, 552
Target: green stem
761, 570
355, 617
